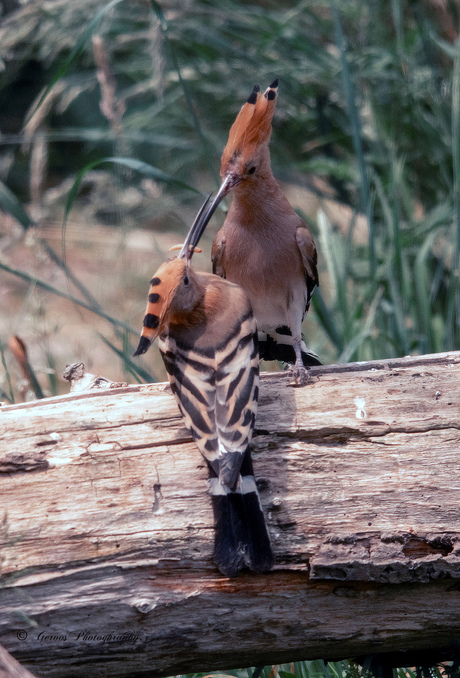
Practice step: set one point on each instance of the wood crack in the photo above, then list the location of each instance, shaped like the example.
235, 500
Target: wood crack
344, 434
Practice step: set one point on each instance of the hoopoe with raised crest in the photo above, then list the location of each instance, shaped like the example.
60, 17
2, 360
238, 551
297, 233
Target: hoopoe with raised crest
264, 246
208, 341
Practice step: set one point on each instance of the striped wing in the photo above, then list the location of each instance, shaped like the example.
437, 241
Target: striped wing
237, 393
192, 377
217, 393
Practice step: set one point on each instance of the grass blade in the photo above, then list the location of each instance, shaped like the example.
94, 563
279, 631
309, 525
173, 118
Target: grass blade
135, 369
334, 251
453, 301
366, 331
11, 205
74, 54
356, 135
8, 377
205, 145
148, 170
326, 320
54, 290
329, 247
52, 374
63, 266
34, 384
422, 290
130, 163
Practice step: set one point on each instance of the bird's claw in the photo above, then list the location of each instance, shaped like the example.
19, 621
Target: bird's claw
300, 374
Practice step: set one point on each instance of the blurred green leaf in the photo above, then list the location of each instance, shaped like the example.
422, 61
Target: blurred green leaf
366, 130
130, 163
49, 288
74, 53
10, 395
11, 205
134, 368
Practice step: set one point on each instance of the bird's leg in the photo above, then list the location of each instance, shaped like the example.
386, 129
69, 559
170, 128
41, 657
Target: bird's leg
299, 371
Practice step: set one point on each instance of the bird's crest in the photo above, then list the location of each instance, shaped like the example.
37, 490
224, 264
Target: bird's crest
253, 124
165, 283
162, 288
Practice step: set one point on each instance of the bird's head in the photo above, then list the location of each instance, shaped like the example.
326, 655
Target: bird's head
245, 157
248, 137
175, 291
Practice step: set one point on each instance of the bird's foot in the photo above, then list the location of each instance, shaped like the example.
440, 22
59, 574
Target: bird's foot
300, 374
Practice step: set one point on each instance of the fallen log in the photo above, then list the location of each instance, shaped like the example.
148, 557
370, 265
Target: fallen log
10, 668
106, 528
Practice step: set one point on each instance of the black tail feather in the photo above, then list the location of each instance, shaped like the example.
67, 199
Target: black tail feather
309, 360
230, 533
259, 549
241, 538
269, 349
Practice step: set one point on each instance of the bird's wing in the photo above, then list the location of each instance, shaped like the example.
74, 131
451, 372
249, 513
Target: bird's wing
237, 390
217, 395
191, 375
241, 532
218, 255
307, 248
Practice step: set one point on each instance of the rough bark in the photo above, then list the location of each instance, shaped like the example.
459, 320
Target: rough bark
106, 528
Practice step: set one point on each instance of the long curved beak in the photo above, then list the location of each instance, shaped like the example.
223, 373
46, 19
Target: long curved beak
203, 218
195, 233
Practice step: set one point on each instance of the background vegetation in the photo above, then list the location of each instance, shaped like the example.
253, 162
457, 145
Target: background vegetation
113, 117
370, 668
366, 143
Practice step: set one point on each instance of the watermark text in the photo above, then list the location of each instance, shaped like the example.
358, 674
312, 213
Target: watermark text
83, 636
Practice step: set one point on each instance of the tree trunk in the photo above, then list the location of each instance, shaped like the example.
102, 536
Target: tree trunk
106, 528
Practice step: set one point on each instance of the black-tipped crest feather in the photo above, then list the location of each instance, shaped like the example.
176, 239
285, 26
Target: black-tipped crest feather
144, 345
252, 98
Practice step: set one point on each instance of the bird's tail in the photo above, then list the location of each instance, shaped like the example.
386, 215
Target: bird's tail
280, 347
241, 535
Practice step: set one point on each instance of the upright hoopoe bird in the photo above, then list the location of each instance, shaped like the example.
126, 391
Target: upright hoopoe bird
208, 342
264, 246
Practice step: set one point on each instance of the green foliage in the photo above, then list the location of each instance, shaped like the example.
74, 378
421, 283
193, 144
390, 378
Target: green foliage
11, 205
341, 669
7, 395
369, 104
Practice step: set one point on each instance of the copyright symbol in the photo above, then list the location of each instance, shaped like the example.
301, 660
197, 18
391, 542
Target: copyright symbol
21, 635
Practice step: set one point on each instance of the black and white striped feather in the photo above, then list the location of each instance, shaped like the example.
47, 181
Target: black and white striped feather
211, 355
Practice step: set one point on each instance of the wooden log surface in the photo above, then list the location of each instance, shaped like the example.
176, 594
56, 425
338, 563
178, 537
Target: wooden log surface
106, 527
10, 668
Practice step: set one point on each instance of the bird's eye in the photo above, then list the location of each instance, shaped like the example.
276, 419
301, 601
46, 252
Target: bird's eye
186, 280
251, 170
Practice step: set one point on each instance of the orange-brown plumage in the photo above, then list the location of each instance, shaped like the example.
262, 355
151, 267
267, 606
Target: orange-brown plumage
251, 128
171, 301
264, 246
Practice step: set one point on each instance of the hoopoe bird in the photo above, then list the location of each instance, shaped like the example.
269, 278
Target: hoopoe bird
208, 341
264, 246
